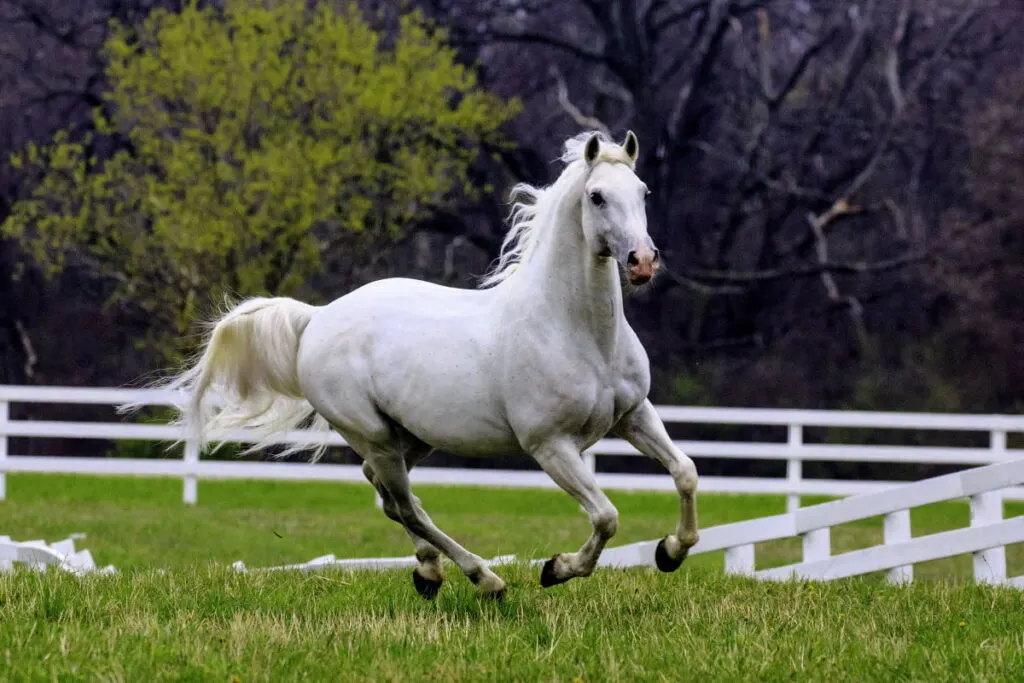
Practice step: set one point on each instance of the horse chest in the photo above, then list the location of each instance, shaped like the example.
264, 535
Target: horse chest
584, 402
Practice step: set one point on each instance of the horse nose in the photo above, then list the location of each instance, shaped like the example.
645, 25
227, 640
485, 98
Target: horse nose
641, 264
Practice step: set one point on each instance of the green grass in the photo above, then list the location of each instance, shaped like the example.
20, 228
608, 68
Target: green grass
202, 621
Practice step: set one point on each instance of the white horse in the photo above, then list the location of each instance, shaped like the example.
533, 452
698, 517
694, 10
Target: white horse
540, 360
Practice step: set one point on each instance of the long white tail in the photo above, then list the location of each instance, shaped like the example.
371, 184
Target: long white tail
249, 364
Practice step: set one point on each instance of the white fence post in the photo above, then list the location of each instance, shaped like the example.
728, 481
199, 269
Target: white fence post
990, 564
896, 529
191, 492
794, 466
4, 416
987, 508
817, 545
740, 559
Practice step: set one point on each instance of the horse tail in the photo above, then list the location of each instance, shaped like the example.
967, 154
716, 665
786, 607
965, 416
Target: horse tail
249, 362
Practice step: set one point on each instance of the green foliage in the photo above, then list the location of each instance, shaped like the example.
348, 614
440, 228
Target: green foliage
690, 389
254, 140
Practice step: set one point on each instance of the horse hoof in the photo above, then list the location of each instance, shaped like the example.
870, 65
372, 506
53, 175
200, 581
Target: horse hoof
427, 588
664, 562
548, 578
496, 596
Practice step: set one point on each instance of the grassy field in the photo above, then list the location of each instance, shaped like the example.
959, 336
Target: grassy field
201, 621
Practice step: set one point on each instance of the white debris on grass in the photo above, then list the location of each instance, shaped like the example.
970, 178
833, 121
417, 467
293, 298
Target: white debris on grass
39, 555
367, 563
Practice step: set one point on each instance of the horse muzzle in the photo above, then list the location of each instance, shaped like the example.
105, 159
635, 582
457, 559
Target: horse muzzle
641, 265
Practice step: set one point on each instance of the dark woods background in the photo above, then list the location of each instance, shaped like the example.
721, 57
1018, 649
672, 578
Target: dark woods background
836, 189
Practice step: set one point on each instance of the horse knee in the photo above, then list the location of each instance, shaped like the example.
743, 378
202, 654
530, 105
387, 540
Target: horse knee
685, 474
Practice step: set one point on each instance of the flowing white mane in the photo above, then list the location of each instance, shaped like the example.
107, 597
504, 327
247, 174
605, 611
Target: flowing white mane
532, 206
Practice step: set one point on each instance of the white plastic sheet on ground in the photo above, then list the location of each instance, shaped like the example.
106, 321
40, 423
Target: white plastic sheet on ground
39, 555
368, 563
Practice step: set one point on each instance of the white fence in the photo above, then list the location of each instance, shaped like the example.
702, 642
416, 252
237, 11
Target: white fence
986, 538
794, 451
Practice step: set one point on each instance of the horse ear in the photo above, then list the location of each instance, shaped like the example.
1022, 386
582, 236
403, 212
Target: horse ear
591, 150
631, 145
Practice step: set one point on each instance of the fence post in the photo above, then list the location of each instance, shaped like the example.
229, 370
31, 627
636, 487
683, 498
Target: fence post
4, 416
896, 529
740, 559
817, 545
987, 508
794, 467
191, 492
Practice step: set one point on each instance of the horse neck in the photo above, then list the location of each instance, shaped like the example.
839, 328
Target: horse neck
569, 282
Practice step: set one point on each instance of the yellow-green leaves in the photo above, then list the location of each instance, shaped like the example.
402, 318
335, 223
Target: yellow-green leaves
254, 139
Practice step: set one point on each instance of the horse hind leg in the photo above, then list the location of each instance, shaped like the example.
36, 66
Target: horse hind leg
428, 576
388, 464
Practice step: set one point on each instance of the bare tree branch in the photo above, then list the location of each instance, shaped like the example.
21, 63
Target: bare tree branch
892, 69
27, 349
571, 109
659, 26
527, 37
802, 270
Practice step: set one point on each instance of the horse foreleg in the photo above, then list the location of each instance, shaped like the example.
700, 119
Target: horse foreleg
645, 430
428, 575
563, 464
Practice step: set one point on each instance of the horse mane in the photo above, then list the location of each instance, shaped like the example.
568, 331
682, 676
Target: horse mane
531, 205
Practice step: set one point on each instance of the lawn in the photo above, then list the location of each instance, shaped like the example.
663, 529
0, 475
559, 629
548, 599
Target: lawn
202, 621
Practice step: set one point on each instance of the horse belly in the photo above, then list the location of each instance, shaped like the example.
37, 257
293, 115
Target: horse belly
415, 353
443, 399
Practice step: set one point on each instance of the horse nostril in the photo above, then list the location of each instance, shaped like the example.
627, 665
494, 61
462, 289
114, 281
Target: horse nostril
632, 260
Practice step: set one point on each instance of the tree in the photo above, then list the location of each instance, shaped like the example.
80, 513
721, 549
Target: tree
253, 142
799, 154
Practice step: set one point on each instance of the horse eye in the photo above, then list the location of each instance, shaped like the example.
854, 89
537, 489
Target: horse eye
596, 197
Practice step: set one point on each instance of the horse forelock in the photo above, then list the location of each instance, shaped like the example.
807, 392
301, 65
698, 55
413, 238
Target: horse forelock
609, 151
530, 203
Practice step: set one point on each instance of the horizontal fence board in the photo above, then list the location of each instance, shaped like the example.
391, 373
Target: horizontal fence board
873, 504
851, 418
213, 469
991, 478
153, 432
904, 496
685, 414
709, 449
91, 395
744, 533
932, 455
630, 555
921, 549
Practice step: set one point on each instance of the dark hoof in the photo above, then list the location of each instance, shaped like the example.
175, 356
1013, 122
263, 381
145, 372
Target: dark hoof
498, 596
547, 574
425, 587
664, 562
